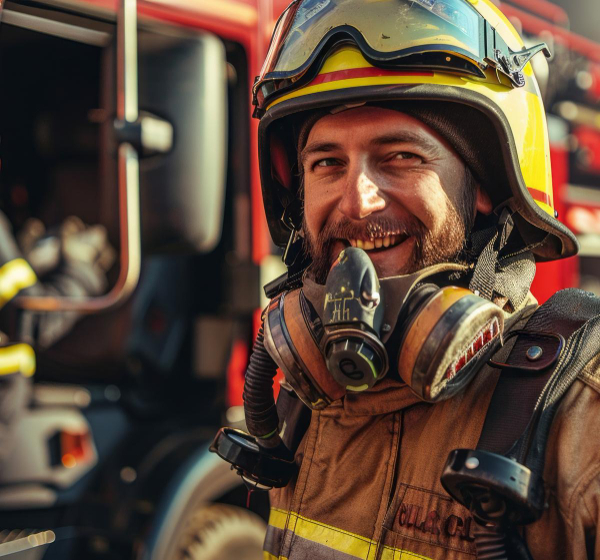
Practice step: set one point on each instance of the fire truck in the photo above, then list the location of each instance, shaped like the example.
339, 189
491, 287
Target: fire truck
136, 116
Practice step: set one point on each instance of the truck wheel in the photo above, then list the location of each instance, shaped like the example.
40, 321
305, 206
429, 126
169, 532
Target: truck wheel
222, 532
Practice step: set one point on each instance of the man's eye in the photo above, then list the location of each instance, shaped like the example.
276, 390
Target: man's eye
327, 162
407, 155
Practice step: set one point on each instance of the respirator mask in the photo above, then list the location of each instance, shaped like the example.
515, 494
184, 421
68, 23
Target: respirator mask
347, 334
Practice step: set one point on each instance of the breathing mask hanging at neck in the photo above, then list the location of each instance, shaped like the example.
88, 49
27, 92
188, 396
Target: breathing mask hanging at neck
331, 339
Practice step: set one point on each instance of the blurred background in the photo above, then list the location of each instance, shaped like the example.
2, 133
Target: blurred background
570, 86
583, 18
144, 129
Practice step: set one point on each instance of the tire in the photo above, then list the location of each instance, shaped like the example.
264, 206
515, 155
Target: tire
222, 532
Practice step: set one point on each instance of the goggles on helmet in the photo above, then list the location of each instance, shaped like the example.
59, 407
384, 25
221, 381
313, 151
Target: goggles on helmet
447, 35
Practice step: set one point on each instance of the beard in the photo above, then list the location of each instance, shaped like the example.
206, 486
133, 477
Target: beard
446, 245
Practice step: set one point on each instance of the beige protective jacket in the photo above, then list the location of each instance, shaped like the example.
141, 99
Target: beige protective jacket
369, 479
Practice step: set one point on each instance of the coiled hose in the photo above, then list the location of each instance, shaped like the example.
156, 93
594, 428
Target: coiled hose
262, 420
494, 542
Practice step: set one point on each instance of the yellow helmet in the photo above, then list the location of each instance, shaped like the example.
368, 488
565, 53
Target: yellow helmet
421, 56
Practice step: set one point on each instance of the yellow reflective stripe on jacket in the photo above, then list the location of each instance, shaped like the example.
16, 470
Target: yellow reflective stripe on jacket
269, 556
15, 275
17, 358
334, 538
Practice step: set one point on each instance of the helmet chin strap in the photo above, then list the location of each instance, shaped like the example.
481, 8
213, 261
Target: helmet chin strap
507, 276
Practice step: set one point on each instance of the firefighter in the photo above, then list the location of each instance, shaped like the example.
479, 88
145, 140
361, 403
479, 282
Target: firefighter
70, 261
405, 168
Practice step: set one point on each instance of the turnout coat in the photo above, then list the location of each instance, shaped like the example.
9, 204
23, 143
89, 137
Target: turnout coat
368, 484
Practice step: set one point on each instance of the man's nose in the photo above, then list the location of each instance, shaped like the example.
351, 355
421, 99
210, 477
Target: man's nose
361, 196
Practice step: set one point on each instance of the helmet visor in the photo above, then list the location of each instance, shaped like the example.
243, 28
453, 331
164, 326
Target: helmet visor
383, 29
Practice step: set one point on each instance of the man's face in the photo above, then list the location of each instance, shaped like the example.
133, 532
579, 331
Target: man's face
383, 181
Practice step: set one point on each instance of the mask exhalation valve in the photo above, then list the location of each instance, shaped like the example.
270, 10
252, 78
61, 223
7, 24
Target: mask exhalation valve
352, 319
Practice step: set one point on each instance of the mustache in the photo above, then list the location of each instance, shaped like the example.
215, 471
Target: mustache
428, 248
368, 228
319, 247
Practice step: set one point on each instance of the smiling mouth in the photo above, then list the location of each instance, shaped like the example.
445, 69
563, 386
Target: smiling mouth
380, 242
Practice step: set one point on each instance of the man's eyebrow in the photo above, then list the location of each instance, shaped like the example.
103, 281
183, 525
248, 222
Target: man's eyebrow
407, 137
404, 137
316, 147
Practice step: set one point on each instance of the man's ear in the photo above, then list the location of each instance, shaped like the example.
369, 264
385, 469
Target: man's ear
483, 203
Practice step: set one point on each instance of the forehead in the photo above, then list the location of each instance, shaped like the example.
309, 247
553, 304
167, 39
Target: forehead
367, 124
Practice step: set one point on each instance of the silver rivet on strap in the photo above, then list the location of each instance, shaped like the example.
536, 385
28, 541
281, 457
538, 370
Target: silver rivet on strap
534, 353
472, 463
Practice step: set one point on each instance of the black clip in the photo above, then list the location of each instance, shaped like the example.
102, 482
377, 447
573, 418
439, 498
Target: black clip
292, 249
290, 219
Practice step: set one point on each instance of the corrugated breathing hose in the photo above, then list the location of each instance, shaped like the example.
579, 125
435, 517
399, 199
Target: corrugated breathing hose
262, 420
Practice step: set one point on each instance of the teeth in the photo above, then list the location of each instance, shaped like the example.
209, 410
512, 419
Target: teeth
377, 242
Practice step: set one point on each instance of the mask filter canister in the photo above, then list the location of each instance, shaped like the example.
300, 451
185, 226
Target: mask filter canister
446, 339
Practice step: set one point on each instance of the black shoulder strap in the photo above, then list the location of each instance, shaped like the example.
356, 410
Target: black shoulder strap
527, 394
